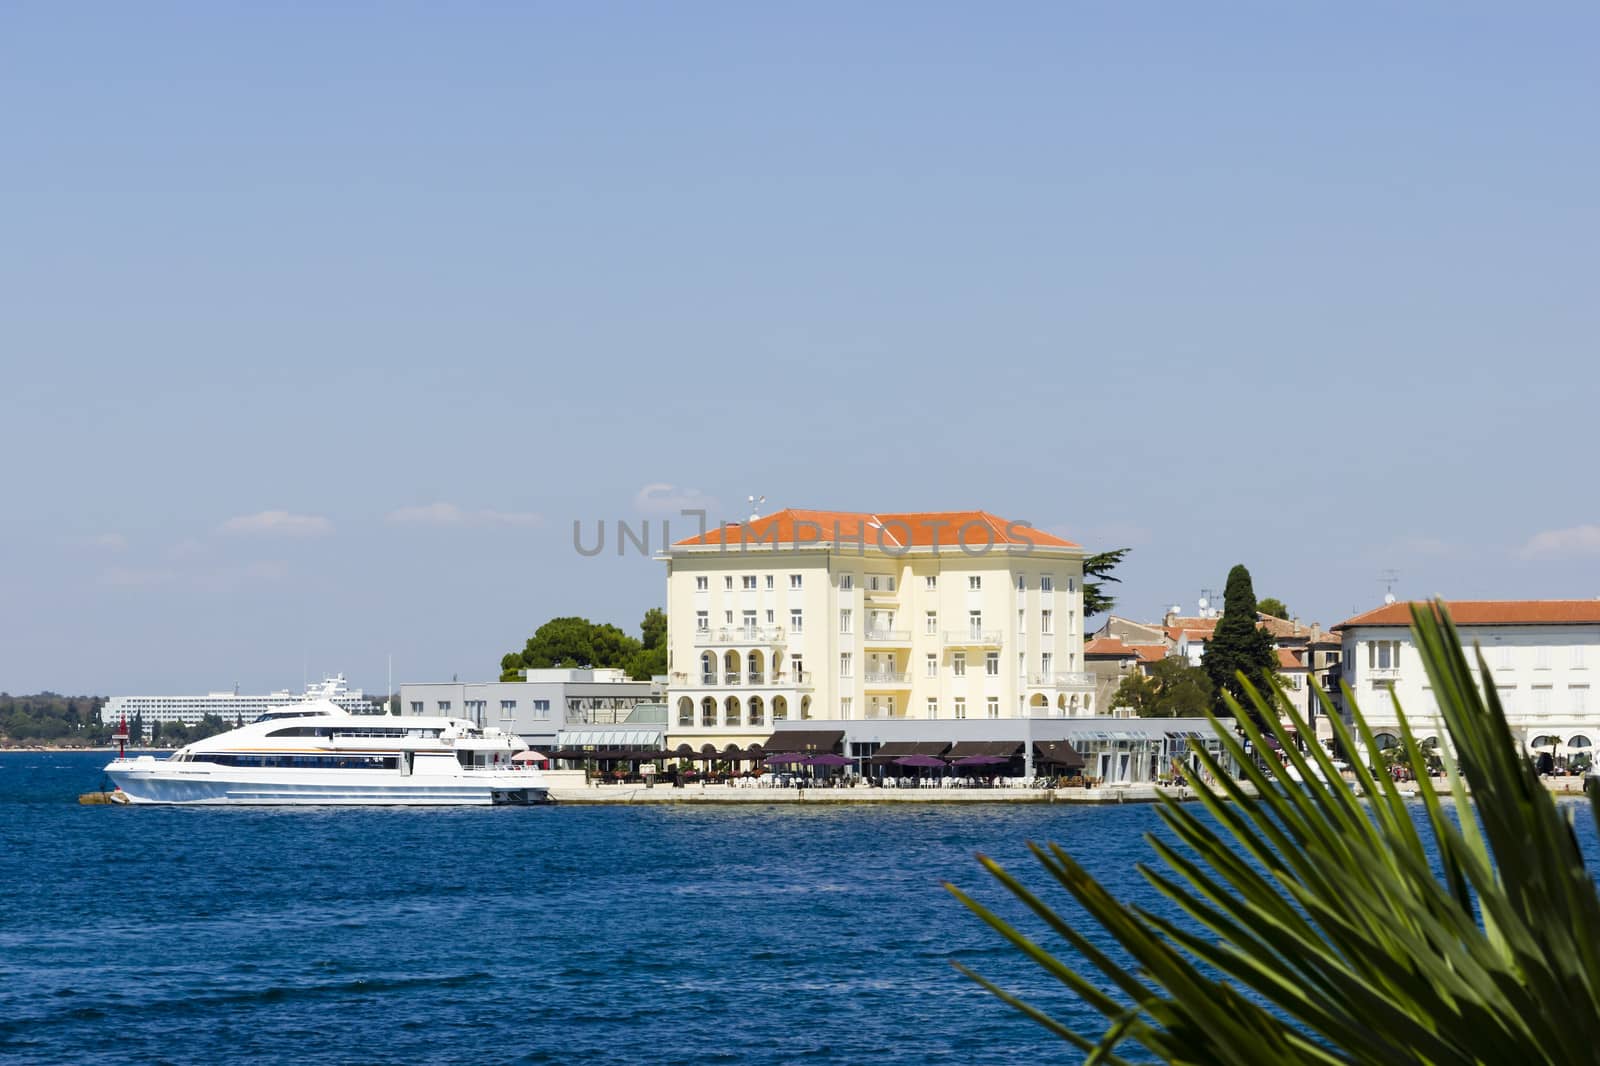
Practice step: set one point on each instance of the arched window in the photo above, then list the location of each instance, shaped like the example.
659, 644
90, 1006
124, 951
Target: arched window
708, 668
730, 665
708, 712
685, 711
780, 709
730, 711
1579, 743
1385, 741
805, 706
753, 663
756, 710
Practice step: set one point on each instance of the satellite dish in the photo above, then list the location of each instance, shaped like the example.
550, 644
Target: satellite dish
1204, 603
1388, 597
755, 506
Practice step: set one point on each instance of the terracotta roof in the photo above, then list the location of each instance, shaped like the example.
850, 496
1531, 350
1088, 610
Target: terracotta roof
1108, 648
1490, 613
1150, 653
1197, 628
1282, 627
1289, 659
920, 529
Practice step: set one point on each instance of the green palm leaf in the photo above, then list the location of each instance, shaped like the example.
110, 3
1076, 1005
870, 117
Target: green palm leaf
1317, 930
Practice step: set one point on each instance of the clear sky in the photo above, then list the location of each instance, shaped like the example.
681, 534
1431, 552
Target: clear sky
321, 324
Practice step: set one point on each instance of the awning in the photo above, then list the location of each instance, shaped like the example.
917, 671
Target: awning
609, 738
1057, 753
1004, 748
806, 741
897, 749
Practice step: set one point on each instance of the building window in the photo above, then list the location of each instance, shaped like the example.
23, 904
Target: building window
769, 581
961, 706
844, 708
845, 666
771, 616
794, 581
933, 707
846, 582
1022, 582
444, 706
958, 664
507, 708
1044, 665
974, 583
749, 581
1505, 656
1541, 657
1508, 699
991, 664
416, 706
933, 666
992, 706
1578, 698
932, 622
930, 583
844, 622
1047, 623
702, 620
796, 620
541, 708
750, 624
1541, 699
1047, 583
727, 582
727, 618
975, 624
1022, 622
1577, 656
701, 583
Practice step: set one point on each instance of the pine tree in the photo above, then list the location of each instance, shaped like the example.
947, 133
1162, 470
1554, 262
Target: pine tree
1237, 644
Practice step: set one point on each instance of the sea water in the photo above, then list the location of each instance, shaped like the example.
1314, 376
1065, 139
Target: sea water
674, 934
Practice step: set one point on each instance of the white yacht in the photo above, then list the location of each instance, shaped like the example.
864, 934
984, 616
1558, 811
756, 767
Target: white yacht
316, 752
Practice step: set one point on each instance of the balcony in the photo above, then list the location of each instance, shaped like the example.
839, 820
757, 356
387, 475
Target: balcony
878, 714
782, 679
741, 635
1075, 681
880, 591
973, 638
1383, 673
885, 679
886, 636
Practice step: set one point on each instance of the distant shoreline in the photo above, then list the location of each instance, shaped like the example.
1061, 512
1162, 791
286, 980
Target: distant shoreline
106, 748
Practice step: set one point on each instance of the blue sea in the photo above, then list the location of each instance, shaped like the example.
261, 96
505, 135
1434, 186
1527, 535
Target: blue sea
519, 935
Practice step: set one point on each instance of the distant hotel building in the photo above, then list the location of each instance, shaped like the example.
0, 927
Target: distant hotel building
1543, 655
231, 707
850, 617
551, 708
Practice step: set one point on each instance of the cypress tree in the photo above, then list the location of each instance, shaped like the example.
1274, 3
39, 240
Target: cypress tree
1237, 644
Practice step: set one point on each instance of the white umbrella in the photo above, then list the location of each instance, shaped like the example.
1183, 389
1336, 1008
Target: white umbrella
530, 756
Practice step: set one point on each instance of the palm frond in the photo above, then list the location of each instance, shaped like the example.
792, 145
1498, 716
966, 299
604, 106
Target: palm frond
1321, 927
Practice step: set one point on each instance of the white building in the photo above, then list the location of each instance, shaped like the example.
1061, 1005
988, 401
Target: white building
1543, 654
556, 707
231, 707
829, 615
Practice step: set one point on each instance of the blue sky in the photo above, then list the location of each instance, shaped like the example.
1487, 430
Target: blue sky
323, 324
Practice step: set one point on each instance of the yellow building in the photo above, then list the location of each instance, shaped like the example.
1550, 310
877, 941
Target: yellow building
838, 616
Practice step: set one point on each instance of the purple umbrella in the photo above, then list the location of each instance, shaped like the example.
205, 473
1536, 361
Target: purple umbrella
787, 759
828, 759
981, 760
929, 761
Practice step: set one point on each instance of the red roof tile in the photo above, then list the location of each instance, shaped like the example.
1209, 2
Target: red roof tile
1490, 613
1289, 659
1151, 653
1108, 648
921, 529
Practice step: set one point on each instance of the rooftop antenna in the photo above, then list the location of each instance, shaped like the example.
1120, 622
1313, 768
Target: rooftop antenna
755, 506
1387, 579
1207, 598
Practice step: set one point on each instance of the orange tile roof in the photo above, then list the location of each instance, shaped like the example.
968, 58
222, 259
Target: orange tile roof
1197, 628
919, 529
1281, 627
1150, 653
1490, 613
1109, 648
1289, 659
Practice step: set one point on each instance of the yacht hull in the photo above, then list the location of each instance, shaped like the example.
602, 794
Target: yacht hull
205, 784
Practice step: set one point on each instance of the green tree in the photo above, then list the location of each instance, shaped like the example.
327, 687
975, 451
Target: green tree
1238, 644
1273, 606
1096, 575
654, 628
1173, 689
